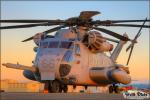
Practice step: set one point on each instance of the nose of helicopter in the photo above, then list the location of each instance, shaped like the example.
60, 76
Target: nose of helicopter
48, 63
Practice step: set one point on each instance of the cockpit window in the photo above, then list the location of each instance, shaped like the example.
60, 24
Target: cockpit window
77, 49
44, 44
65, 44
68, 57
57, 33
53, 44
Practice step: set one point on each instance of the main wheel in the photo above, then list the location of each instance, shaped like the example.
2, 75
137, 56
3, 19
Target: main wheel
116, 89
65, 89
60, 89
55, 87
111, 89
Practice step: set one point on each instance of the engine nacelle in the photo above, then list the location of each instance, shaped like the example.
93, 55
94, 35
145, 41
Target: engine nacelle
102, 75
97, 43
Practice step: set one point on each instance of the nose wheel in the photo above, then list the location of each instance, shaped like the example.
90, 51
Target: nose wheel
114, 88
55, 87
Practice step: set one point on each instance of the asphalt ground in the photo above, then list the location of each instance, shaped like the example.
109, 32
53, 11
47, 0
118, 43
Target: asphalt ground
60, 96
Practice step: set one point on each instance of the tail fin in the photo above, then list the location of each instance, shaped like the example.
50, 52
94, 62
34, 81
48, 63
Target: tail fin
118, 49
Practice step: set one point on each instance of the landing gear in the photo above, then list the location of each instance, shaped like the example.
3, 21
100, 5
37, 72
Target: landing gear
86, 87
65, 89
111, 89
74, 87
55, 87
114, 88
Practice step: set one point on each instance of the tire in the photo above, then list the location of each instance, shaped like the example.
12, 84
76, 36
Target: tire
111, 89
55, 87
116, 89
60, 90
65, 89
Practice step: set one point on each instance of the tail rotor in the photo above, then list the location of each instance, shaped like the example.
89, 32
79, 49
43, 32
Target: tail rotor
133, 42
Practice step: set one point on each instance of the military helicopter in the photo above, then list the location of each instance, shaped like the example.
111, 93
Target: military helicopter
76, 54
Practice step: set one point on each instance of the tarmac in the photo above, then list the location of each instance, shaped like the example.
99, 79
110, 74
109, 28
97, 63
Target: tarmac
60, 96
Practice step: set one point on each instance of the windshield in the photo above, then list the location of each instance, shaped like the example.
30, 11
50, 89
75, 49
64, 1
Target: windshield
56, 44
65, 44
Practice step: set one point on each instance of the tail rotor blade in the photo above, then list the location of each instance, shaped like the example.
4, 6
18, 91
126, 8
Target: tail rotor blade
130, 55
129, 47
139, 32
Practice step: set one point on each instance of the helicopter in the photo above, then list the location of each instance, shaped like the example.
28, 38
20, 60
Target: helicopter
76, 54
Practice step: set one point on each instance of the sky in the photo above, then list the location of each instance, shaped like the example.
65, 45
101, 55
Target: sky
13, 50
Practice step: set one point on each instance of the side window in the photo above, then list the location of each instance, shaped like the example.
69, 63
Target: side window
43, 44
57, 33
68, 57
77, 49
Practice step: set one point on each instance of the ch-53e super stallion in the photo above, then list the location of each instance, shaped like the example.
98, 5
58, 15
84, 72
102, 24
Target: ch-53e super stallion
77, 53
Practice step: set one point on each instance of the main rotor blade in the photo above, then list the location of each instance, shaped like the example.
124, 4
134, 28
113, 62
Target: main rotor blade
112, 34
28, 39
20, 26
54, 29
46, 32
27, 25
30, 21
130, 54
112, 40
129, 25
122, 21
86, 15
